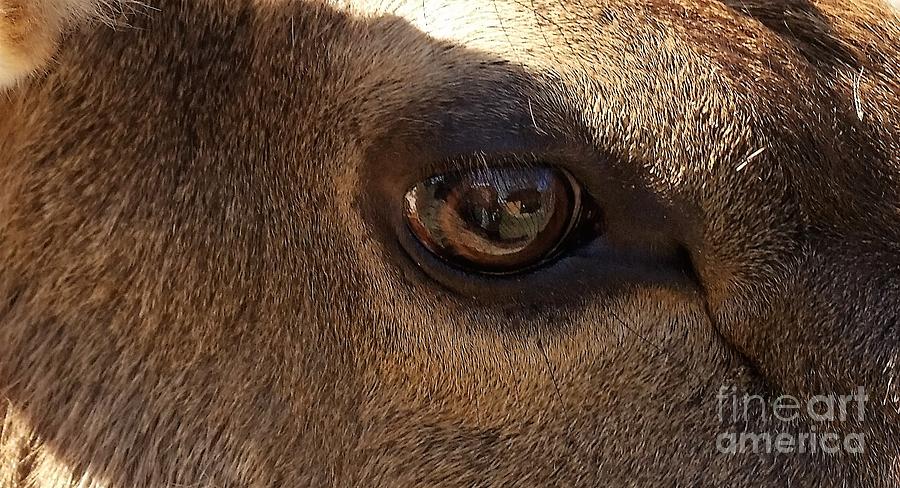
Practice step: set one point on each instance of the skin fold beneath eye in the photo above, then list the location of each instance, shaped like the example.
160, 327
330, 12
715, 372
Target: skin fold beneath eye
498, 221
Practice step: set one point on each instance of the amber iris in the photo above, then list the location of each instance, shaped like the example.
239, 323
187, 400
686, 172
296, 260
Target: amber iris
501, 220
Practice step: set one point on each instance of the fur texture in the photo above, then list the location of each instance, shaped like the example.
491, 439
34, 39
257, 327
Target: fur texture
201, 283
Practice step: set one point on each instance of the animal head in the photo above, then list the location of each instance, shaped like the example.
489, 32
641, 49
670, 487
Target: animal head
449, 243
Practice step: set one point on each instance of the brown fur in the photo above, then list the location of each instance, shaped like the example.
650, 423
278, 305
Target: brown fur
201, 286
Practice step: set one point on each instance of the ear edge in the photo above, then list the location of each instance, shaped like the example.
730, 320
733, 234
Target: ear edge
29, 34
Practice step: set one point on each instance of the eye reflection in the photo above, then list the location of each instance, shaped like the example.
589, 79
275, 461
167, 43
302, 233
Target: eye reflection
499, 220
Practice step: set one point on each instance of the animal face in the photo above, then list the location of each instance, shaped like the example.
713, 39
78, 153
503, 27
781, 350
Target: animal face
450, 243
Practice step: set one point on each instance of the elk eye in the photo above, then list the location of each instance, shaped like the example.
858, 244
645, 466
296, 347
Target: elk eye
495, 221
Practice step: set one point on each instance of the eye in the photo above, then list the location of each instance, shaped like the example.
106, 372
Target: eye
496, 221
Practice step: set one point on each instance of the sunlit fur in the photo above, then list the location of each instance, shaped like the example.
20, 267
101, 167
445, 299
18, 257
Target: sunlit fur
200, 284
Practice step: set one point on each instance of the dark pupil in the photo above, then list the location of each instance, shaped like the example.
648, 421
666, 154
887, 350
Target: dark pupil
505, 219
495, 220
528, 201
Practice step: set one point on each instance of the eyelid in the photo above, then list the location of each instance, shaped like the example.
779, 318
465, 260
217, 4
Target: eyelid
513, 116
599, 265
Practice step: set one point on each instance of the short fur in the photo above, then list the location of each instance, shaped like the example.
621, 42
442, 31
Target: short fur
200, 282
